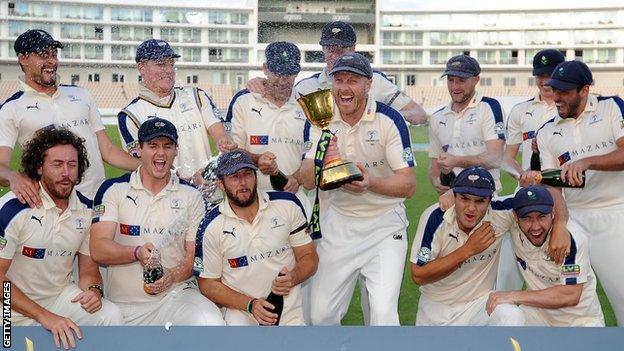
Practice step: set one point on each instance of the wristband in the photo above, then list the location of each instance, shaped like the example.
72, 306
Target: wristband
135, 253
97, 287
250, 305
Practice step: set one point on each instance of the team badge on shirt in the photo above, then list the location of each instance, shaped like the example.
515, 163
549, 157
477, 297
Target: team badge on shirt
99, 210
238, 262
563, 158
408, 155
259, 139
33, 252
424, 254
80, 223
176, 204
570, 270
3, 243
198, 265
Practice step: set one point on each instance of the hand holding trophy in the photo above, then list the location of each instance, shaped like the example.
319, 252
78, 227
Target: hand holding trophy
330, 170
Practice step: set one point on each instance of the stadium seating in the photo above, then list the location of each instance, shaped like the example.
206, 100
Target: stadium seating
117, 95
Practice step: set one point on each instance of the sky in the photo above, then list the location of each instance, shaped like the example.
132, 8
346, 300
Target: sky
489, 4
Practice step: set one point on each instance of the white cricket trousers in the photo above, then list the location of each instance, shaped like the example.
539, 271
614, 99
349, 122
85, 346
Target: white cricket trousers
604, 228
61, 305
373, 248
184, 305
471, 313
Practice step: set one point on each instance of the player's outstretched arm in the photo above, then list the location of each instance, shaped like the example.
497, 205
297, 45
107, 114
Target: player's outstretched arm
114, 155
104, 250
401, 184
414, 113
490, 159
551, 298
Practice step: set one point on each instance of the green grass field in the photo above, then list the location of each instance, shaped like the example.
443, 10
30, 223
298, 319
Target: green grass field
425, 196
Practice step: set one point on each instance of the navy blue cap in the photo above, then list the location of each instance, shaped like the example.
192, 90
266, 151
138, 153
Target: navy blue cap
462, 66
338, 33
232, 162
570, 75
545, 61
283, 58
35, 40
154, 49
157, 127
534, 198
475, 181
355, 63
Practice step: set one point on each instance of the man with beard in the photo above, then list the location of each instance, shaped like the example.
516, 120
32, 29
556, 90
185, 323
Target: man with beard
42, 103
338, 38
557, 295
455, 254
253, 244
365, 223
38, 245
467, 132
270, 126
189, 109
587, 137
527, 117
150, 216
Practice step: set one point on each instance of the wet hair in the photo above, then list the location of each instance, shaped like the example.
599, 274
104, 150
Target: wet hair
35, 150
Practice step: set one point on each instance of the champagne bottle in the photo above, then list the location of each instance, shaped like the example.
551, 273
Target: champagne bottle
447, 179
553, 178
535, 162
278, 181
277, 301
153, 270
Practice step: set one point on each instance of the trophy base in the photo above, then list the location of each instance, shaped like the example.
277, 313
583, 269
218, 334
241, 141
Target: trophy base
335, 175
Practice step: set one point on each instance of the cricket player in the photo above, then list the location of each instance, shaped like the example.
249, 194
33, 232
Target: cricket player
151, 212
338, 38
455, 255
587, 136
527, 117
270, 126
38, 245
365, 224
557, 295
246, 242
467, 132
44, 103
190, 109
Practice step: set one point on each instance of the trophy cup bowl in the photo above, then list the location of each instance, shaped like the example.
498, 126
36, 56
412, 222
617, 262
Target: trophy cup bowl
319, 110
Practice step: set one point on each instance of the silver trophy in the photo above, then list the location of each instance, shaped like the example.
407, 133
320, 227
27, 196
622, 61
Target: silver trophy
209, 189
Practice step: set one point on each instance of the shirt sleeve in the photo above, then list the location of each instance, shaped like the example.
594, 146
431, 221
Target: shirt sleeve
547, 159
399, 144
311, 135
503, 216
105, 203
489, 125
514, 126
425, 247
435, 146
617, 118
95, 120
11, 225
298, 229
210, 112
128, 126
196, 212
390, 94
8, 125
212, 258
238, 127
576, 267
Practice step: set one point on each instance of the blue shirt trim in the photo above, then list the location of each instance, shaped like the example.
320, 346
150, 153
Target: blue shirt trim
433, 223
15, 96
85, 200
399, 122
283, 195
9, 211
199, 239
618, 101
497, 111
104, 187
228, 117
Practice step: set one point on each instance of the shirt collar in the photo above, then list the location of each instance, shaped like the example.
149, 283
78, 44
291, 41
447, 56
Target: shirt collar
149, 96
590, 106
226, 209
135, 181
28, 89
324, 79
476, 99
48, 203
